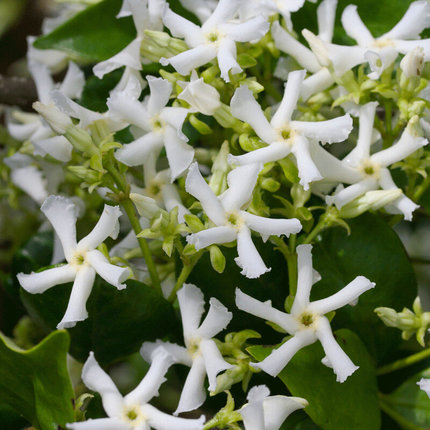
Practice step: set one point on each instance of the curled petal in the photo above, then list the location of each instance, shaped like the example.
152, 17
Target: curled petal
23, 131
57, 147
181, 27
30, 180
253, 415
138, 151
355, 27
335, 356
112, 274
175, 117
251, 30
278, 408
36, 283
191, 304
162, 421
216, 320
106, 226
160, 93
273, 152
178, 353
100, 424
350, 193
380, 60
304, 278
204, 238
227, 59
73, 82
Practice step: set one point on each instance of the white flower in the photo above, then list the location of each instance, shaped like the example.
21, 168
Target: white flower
133, 411
217, 37
203, 9
283, 135
424, 385
162, 127
200, 353
231, 221
306, 322
83, 259
368, 172
201, 97
268, 413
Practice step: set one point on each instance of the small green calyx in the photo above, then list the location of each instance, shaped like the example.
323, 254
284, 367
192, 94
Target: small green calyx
306, 319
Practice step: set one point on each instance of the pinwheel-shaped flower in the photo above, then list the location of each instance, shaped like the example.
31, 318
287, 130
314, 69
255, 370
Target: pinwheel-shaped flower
268, 413
306, 322
216, 38
232, 221
83, 259
132, 412
368, 172
200, 352
162, 127
283, 135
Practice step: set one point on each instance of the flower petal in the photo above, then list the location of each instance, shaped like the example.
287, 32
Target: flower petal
178, 353
73, 82
36, 283
253, 415
191, 304
175, 117
304, 278
30, 180
57, 147
227, 59
162, 421
244, 106
335, 355
43, 80
179, 153
316, 83
160, 93
424, 385
138, 151
266, 311
204, 238
380, 60
326, 14
216, 320
106, 226
350, 193
251, 30
278, 408
182, 27
355, 27
171, 199
273, 152
100, 424
225, 11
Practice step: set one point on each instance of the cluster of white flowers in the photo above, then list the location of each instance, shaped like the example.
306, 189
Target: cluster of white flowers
225, 209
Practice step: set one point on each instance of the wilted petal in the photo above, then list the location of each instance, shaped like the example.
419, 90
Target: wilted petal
179, 153
216, 320
76, 309
335, 356
96, 379
30, 180
227, 59
161, 421
106, 226
267, 226
304, 278
138, 151
62, 214
251, 30
191, 304
100, 424
198, 187
36, 283
273, 152
266, 311
244, 106
347, 295
278, 408
355, 27
249, 260
112, 274
350, 193
316, 83
210, 236
326, 14
57, 147
193, 393
160, 93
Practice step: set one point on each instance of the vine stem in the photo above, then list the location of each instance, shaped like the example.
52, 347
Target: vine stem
404, 362
322, 224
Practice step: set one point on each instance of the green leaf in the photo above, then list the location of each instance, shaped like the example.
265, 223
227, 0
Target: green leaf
408, 404
373, 250
92, 35
36, 382
352, 405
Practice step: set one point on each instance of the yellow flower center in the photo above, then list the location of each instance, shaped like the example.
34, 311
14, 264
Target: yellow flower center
234, 219
370, 169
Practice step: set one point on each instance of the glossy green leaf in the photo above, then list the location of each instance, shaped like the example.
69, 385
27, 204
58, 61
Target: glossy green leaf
352, 405
408, 404
92, 35
36, 382
373, 250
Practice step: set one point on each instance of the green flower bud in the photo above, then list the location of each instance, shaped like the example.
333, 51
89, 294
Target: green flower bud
217, 259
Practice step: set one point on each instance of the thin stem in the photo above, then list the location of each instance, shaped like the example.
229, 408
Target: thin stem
289, 253
404, 362
395, 415
420, 190
322, 224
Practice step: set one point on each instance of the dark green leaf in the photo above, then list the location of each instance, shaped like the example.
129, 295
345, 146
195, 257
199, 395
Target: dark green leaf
373, 250
92, 35
36, 382
352, 405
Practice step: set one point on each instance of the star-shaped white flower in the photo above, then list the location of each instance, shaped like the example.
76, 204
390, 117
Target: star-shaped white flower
268, 413
200, 352
83, 259
216, 38
160, 125
284, 135
365, 171
232, 221
133, 411
306, 322
203, 9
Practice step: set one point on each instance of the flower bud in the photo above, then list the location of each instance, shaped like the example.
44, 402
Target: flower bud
57, 120
146, 206
412, 63
217, 259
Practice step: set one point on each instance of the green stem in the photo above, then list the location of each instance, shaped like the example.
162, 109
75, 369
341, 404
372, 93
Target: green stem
404, 423
420, 190
404, 362
322, 224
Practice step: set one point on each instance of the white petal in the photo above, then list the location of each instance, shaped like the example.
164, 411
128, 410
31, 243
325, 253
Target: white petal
267, 227
413, 22
162, 421
253, 415
424, 385
112, 274
241, 183
380, 60
129, 56
160, 93
62, 214
278, 408
171, 199
43, 80
266, 311
30, 180
273, 152
350, 193
289, 100
279, 358
178, 353
76, 309
150, 384
181, 27
96, 379
175, 117
316, 83
74, 82
257, 393
191, 304
251, 30
227, 59
193, 393
36, 283
347, 295
304, 278
216, 320
326, 14
336, 357
23, 132
210, 236
288, 44
138, 151
249, 260
244, 106
106, 226
225, 10
100, 424
198, 187
332, 130
57, 147
355, 27
214, 363
405, 46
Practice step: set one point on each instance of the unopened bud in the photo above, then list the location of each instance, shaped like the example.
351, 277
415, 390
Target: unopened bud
412, 63
146, 206
57, 120
217, 259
